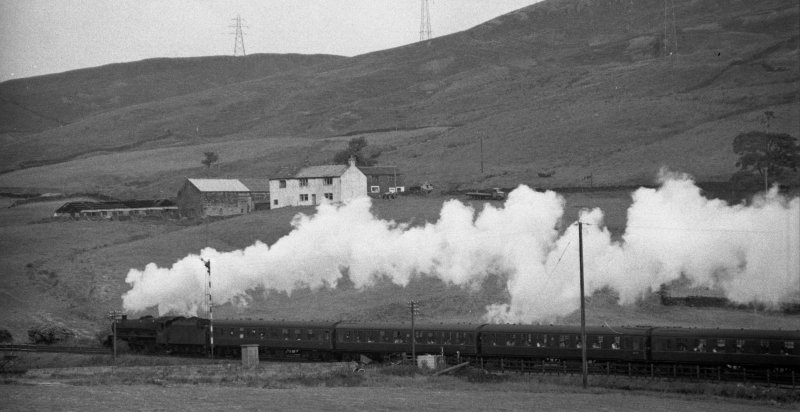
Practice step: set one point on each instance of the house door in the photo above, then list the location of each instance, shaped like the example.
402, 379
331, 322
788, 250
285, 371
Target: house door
314, 199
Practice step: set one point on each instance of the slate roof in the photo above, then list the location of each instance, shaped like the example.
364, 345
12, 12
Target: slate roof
321, 171
219, 185
379, 171
256, 185
76, 207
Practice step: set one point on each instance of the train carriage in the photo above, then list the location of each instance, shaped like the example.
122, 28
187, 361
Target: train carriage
734, 347
387, 340
312, 340
625, 344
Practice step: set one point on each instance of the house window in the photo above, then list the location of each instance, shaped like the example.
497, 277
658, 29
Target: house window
282, 184
304, 198
374, 189
327, 181
275, 202
329, 196
303, 182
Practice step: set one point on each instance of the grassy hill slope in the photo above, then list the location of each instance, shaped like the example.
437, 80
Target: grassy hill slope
563, 86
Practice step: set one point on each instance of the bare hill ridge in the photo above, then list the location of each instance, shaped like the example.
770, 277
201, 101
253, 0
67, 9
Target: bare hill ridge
566, 86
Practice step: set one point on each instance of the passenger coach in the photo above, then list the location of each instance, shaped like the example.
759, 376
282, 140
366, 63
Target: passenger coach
381, 340
628, 344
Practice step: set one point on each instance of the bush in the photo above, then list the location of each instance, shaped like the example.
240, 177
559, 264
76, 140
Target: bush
5, 336
46, 334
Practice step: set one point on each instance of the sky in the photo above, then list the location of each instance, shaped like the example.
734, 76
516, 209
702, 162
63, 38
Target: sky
49, 36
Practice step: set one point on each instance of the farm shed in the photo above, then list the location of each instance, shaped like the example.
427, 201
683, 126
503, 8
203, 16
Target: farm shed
259, 191
117, 209
383, 179
315, 184
214, 197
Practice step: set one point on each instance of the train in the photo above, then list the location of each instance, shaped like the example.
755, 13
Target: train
346, 341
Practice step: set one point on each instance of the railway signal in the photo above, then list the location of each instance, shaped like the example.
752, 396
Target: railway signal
114, 315
414, 306
207, 264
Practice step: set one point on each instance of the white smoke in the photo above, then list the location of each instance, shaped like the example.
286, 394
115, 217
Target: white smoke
750, 252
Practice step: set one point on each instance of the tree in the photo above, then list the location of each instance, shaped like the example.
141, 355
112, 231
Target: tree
356, 147
210, 159
771, 155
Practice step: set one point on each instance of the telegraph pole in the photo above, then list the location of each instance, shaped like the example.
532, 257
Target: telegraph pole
413, 305
481, 154
207, 263
584, 344
425, 22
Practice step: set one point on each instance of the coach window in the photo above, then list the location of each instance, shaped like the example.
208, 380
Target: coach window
431, 337
637, 343
396, 337
788, 347
252, 332
347, 336
310, 335
285, 333
511, 339
720, 346
241, 333
562, 341
232, 332
382, 336
700, 346
468, 339
298, 334
261, 335
615, 345
598, 343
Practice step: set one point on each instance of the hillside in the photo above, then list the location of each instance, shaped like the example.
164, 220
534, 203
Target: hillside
571, 87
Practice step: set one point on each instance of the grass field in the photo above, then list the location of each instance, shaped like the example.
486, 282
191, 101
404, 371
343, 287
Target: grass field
72, 382
70, 273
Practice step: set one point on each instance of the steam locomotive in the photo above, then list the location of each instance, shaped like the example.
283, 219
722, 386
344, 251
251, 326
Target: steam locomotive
774, 349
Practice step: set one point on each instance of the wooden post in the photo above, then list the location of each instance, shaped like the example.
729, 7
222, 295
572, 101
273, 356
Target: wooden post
585, 364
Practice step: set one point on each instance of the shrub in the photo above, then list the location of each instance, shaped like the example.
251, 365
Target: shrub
48, 334
5, 336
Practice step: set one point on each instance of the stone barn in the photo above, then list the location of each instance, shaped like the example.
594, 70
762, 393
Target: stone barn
214, 197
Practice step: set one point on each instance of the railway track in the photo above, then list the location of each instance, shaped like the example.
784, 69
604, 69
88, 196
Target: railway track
9, 349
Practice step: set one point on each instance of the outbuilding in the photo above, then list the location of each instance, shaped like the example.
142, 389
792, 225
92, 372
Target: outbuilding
214, 197
382, 180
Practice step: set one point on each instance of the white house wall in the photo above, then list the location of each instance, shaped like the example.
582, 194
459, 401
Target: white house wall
352, 184
315, 191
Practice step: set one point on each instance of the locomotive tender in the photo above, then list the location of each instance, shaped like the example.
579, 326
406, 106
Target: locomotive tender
340, 340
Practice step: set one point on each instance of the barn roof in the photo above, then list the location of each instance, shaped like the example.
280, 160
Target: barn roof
379, 170
256, 185
77, 207
219, 185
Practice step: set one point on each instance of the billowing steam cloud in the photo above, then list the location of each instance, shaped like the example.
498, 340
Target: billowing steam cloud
750, 252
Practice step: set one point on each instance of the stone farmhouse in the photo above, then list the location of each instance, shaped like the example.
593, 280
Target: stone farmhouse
316, 184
